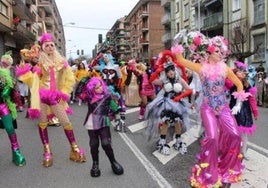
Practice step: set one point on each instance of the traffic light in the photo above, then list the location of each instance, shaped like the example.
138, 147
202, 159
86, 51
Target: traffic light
108, 39
82, 52
77, 52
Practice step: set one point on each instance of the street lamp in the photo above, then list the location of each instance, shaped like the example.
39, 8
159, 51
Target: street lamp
69, 23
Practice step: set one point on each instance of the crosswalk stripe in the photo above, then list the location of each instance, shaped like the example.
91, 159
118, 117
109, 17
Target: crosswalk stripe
136, 127
188, 137
130, 110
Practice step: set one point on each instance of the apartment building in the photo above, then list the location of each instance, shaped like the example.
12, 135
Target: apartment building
243, 23
48, 15
21, 24
144, 30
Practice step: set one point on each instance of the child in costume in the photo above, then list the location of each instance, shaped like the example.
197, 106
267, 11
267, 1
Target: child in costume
219, 159
8, 112
100, 105
51, 83
167, 109
244, 117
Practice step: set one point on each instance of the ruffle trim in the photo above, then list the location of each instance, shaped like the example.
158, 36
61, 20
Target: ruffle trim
247, 130
52, 97
241, 95
33, 113
37, 70
21, 70
253, 90
196, 180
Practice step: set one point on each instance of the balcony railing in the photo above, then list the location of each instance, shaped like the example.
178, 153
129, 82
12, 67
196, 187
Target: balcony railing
165, 3
166, 37
213, 20
166, 19
21, 10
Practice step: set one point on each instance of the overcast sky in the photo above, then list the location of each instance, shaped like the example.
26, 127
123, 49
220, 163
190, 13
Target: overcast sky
98, 15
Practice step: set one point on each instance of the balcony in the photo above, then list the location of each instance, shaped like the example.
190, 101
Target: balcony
143, 13
143, 41
166, 19
22, 34
144, 27
213, 21
166, 38
22, 11
165, 3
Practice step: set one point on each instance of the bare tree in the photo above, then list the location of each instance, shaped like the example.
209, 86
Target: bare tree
240, 36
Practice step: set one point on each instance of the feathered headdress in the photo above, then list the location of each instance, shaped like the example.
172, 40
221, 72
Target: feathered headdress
6, 59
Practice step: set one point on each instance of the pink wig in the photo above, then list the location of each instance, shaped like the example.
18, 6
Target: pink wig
91, 88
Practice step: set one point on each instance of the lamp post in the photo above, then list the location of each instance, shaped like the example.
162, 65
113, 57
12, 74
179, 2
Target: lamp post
69, 23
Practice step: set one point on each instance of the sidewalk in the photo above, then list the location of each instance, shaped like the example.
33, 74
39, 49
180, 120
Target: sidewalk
256, 171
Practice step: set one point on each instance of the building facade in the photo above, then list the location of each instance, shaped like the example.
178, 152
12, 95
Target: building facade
243, 23
21, 24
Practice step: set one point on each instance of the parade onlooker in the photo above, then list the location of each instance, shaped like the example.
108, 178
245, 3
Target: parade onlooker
81, 72
260, 84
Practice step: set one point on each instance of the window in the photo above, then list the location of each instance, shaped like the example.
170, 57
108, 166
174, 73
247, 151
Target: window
3, 9
236, 5
186, 12
177, 7
178, 27
259, 12
259, 39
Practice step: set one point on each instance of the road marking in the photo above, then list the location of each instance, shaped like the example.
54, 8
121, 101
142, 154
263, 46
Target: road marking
152, 171
136, 127
128, 111
188, 137
265, 151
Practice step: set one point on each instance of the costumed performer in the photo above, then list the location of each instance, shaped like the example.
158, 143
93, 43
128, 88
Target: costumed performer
219, 161
8, 112
249, 107
51, 83
167, 109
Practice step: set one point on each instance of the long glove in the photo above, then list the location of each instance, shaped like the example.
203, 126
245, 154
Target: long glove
184, 94
236, 109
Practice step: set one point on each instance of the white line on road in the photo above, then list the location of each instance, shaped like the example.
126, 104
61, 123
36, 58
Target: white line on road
162, 182
255, 174
128, 111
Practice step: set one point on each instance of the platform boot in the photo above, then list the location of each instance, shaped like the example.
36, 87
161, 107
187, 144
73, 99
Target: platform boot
116, 167
142, 112
17, 158
76, 154
47, 156
95, 171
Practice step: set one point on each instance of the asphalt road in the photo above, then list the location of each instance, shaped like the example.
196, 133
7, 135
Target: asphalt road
132, 150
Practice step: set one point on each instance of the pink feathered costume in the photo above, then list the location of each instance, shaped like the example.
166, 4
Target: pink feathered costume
219, 160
